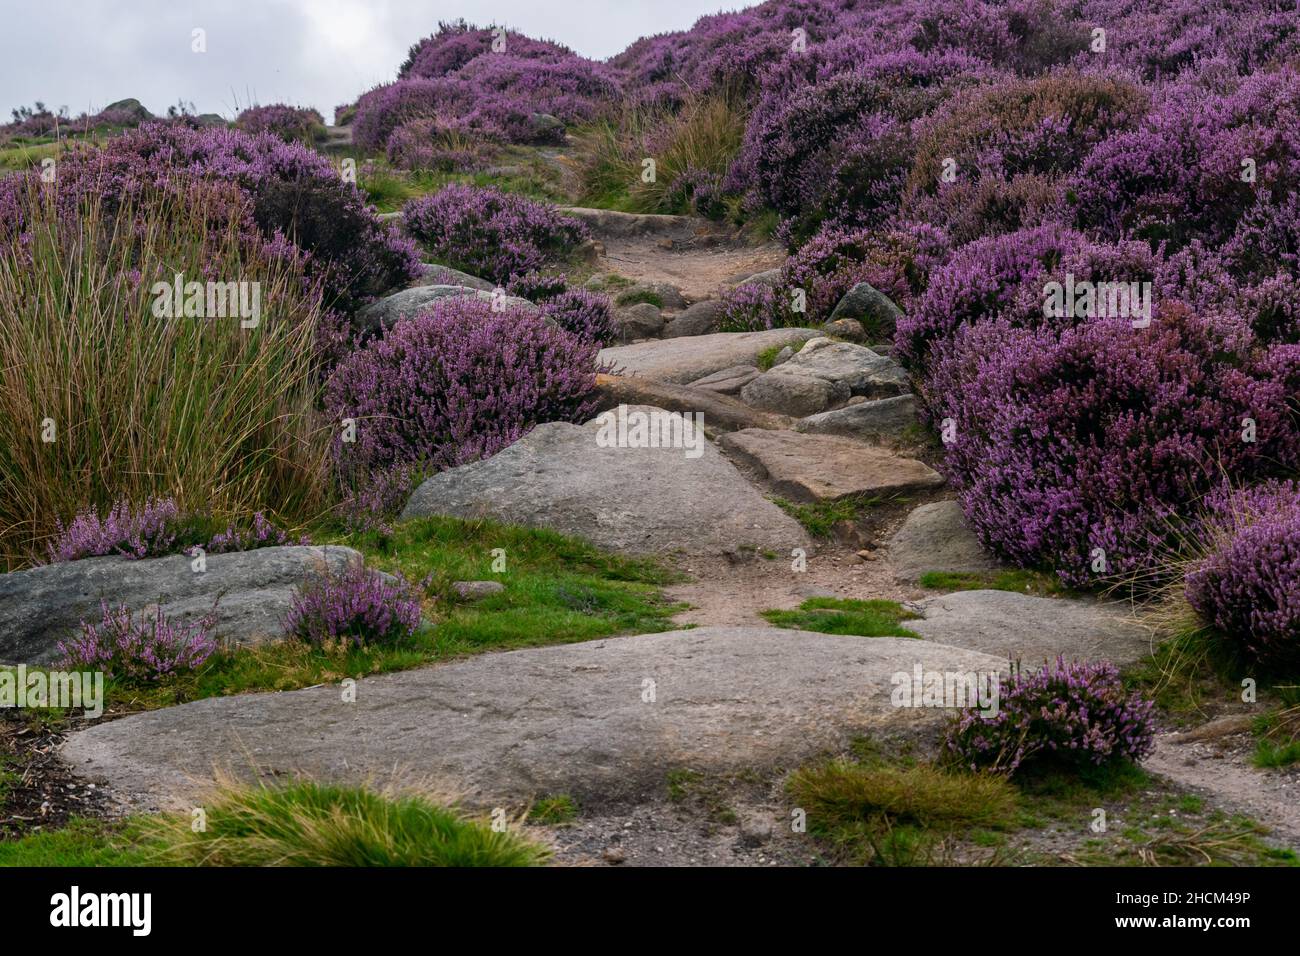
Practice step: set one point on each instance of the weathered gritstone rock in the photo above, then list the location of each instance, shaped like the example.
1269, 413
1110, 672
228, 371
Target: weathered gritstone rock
641, 321
729, 381
385, 312
252, 591
664, 294
630, 500
824, 374
935, 538
1014, 626
516, 725
721, 412
440, 275
689, 358
606, 223
702, 318
866, 420
876, 311
825, 467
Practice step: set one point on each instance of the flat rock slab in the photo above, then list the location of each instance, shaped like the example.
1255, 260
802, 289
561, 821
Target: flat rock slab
935, 538
386, 312
570, 719
868, 421
1015, 626
826, 467
692, 357
252, 592
721, 412
625, 499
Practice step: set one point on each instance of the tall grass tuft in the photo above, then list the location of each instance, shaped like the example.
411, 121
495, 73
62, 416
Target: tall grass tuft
316, 824
100, 400
703, 137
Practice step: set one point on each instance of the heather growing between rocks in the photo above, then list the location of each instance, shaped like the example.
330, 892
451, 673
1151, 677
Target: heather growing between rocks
358, 606
1072, 713
133, 648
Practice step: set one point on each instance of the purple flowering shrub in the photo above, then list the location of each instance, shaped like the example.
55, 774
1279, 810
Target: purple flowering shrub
290, 123
456, 384
1077, 713
158, 528
588, 315
490, 233
357, 606
1070, 444
432, 144
1248, 585
142, 649
297, 198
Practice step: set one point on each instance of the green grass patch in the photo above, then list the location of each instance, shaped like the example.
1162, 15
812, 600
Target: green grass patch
1026, 582
820, 517
554, 810
875, 618
641, 296
300, 824
899, 815
767, 358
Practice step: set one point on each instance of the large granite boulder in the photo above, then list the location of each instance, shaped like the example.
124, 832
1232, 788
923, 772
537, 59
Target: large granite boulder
691, 357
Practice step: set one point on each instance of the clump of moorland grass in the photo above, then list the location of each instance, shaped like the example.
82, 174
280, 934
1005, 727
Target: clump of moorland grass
318, 824
220, 416
877, 618
1074, 713
692, 147
894, 815
358, 606
138, 649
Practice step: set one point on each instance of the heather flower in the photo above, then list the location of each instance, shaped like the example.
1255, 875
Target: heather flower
289, 123
144, 532
358, 606
1077, 713
146, 649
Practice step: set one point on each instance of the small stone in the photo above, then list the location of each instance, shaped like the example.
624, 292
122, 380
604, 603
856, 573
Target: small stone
614, 855
477, 590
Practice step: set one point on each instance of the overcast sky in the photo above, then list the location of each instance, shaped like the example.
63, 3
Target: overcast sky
85, 54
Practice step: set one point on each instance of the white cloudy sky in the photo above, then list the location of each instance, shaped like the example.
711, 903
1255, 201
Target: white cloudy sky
84, 54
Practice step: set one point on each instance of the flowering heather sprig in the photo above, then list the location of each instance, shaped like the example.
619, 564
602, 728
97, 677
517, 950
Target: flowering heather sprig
1248, 586
359, 606
490, 233
262, 534
144, 532
1077, 712
456, 384
146, 649
588, 315
376, 499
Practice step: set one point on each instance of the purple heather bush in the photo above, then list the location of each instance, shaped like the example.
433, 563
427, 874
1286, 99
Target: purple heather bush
297, 197
1248, 584
588, 315
435, 145
1075, 713
292, 124
456, 384
357, 606
142, 649
1086, 440
490, 233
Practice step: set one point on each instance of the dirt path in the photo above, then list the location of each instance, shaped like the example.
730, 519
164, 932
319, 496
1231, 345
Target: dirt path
701, 273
